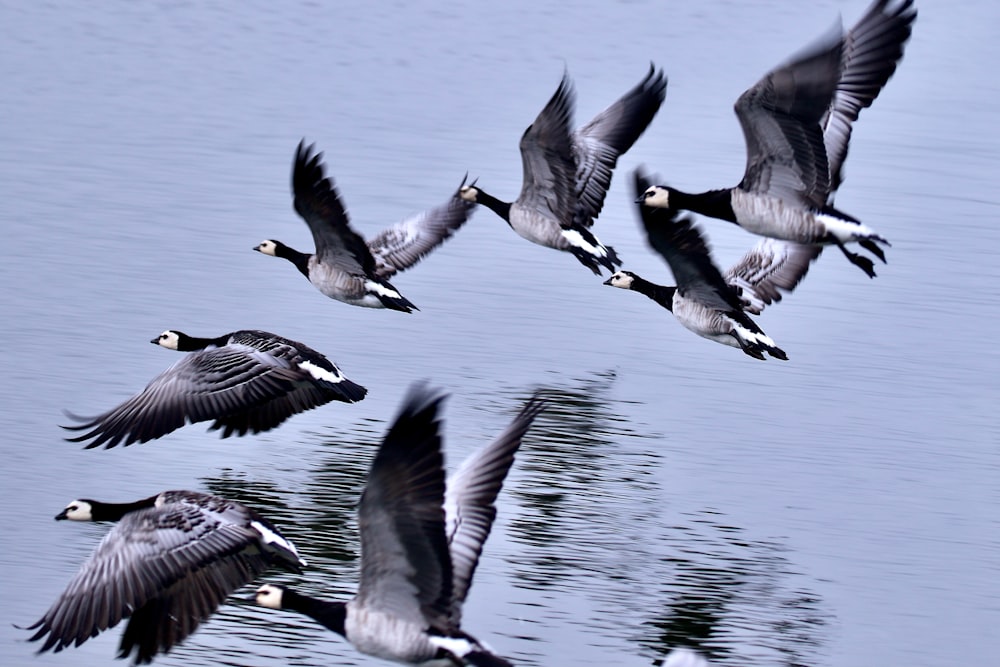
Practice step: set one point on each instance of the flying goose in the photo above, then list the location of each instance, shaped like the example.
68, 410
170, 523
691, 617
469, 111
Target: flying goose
797, 123
420, 543
711, 304
246, 381
346, 268
167, 565
567, 174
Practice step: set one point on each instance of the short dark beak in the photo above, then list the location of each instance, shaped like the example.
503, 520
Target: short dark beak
640, 198
155, 341
252, 597
257, 248
608, 281
61, 516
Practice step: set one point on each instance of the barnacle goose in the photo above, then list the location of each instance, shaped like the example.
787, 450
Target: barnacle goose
246, 381
420, 543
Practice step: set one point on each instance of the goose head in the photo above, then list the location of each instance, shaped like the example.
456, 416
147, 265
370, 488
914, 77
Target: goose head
655, 196
622, 279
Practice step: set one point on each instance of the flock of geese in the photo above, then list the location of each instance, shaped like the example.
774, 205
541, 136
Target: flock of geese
173, 558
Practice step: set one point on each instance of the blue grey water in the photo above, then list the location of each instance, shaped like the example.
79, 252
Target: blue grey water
839, 509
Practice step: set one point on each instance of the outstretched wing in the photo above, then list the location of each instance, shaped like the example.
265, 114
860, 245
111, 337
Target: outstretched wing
470, 497
768, 267
319, 204
598, 144
404, 244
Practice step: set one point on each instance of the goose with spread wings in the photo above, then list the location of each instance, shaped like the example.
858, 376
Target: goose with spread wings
245, 381
166, 566
567, 174
420, 543
345, 267
797, 122
713, 305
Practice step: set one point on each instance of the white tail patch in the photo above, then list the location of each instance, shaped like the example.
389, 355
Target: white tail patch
454, 645
271, 537
760, 338
381, 290
576, 238
321, 373
844, 230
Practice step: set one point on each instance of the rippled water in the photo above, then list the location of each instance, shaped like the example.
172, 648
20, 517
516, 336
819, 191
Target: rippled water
837, 509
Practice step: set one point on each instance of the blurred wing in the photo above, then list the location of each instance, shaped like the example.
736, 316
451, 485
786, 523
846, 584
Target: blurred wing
401, 246
768, 267
317, 201
405, 566
547, 158
872, 49
469, 501
780, 117
210, 384
167, 568
677, 239
599, 143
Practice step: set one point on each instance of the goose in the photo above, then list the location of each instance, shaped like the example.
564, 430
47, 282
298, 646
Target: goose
711, 304
346, 268
247, 381
167, 565
567, 174
420, 543
797, 123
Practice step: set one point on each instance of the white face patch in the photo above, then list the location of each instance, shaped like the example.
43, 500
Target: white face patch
656, 196
576, 238
454, 645
269, 596
267, 247
381, 290
321, 373
168, 339
620, 279
468, 193
271, 537
78, 510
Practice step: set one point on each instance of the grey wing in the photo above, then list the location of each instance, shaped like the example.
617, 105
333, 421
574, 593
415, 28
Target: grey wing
317, 201
872, 49
598, 144
167, 568
780, 117
547, 159
401, 246
768, 267
470, 497
210, 384
677, 239
405, 567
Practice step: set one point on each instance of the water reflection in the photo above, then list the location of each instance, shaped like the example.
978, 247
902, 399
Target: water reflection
589, 524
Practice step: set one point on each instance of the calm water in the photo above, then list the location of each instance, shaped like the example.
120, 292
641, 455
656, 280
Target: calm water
840, 509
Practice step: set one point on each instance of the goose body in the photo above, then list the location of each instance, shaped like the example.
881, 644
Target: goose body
713, 305
345, 267
166, 566
567, 174
420, 543
245, 381
797, 122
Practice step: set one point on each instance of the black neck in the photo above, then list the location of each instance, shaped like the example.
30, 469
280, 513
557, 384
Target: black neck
501, 208
187, 343
299, 259
661, 294
331, 615
713, 203
115, 511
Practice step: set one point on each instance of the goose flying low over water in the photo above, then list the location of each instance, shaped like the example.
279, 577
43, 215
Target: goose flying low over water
711, 304
420, 543
246, 381
567, 174
346, 268
797, 124
167, 565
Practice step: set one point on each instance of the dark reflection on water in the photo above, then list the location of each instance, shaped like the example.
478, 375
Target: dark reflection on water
590, 523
